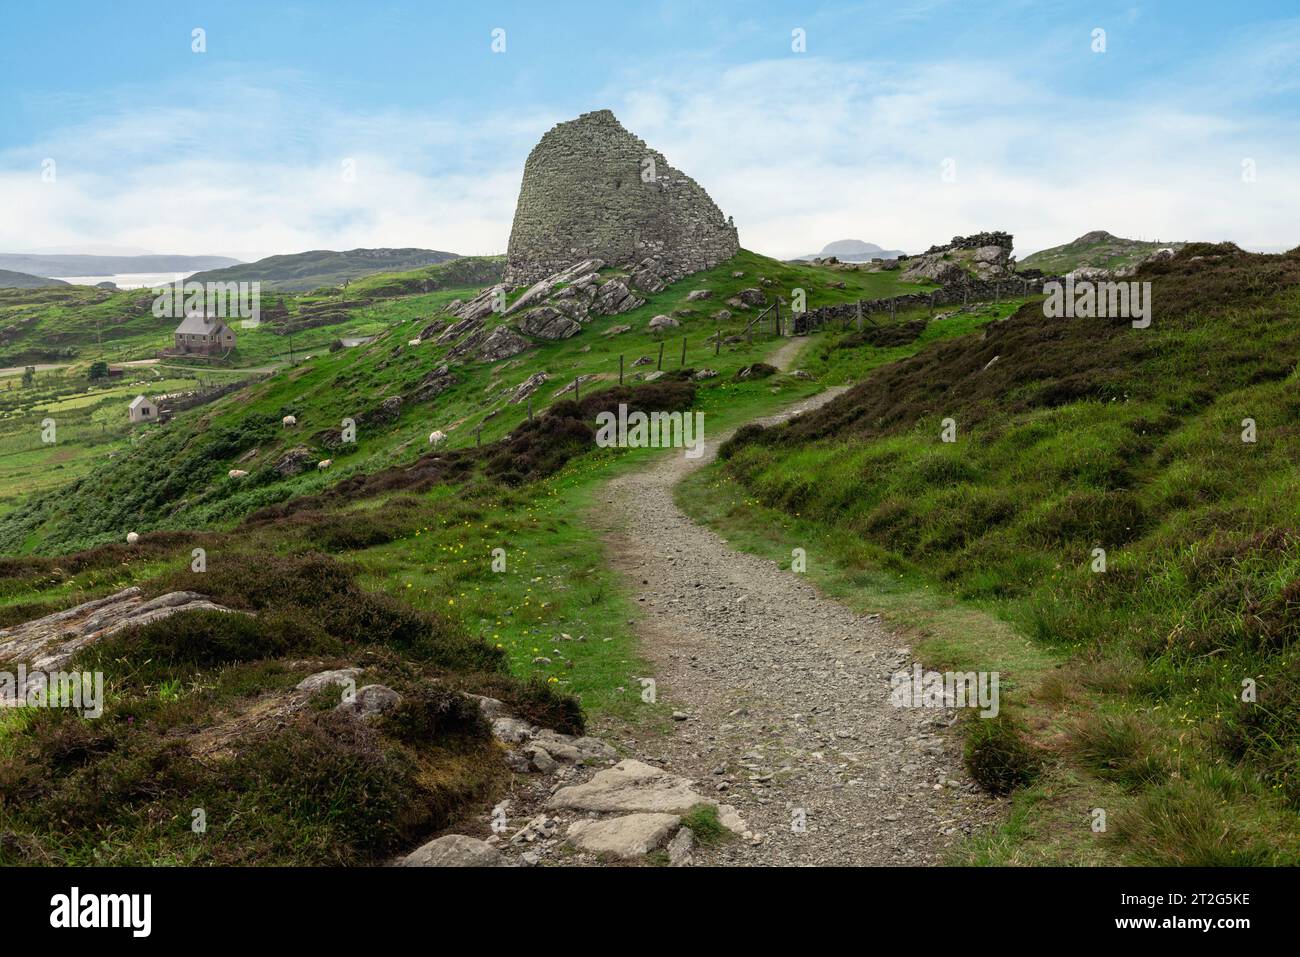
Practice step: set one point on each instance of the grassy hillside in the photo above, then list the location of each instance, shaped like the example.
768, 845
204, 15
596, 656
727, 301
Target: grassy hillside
323, 267
1072, 436
21, 280
79, 324
1098, 249
382, 563
175, 476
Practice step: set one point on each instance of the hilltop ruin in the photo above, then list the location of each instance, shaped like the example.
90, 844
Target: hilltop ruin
592, 190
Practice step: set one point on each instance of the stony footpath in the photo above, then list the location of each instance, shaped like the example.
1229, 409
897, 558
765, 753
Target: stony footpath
783, 723
782, 695
573, 802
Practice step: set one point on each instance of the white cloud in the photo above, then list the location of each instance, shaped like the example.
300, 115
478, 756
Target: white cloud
800, 150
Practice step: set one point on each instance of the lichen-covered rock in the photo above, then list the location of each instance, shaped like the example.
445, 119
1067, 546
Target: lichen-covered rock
340, 677
454, 850
480, 307
434, 384
593, 190
503, 343
659, 323
614, 297
626, 837
528, 387
630, 786
294, 461
547, 322
48, 643
370, 701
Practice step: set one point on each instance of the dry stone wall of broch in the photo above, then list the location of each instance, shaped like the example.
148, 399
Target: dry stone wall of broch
584, 197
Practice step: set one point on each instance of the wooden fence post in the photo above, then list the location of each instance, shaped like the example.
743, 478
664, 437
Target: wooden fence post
577, 388
683, 365
478, 437
620, 370
859, 305
530, 408
661, 356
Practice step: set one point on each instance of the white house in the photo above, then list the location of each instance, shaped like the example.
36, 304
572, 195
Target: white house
142, 409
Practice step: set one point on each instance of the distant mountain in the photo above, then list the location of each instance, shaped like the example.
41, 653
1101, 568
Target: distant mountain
42, 264
1098, 248
853, 251
300, 272
21, 280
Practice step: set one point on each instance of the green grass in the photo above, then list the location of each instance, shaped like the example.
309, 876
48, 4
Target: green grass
705, 825
180, 479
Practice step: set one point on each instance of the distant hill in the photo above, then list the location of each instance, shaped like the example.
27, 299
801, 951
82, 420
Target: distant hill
853, 251
1098, 249
40, 264
300, 272
21, 280
461, 272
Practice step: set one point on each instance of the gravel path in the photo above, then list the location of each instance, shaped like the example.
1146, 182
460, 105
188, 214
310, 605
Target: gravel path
785, 694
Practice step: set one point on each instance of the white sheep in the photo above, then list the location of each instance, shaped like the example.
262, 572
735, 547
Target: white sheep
437, 437
237, 473
323, 464
414, 342
289, 421
132, 538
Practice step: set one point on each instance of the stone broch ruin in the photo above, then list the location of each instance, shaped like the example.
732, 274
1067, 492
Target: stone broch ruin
584, 196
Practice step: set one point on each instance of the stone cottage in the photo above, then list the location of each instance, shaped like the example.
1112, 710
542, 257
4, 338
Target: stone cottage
205, 335
142, 409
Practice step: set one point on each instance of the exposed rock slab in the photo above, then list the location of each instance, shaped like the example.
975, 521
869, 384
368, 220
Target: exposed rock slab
631, 785
454, 850
629, 836
48, 643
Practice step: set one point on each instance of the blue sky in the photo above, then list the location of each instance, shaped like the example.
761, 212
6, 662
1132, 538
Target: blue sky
242, 149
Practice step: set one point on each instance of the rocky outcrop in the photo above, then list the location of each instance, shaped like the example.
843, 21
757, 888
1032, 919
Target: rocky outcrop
581, 274
629, 836
593, 190
632, 786
528, 387
478, 308
47, 644
387, 411
454, 850
370, 701
985, 256
548, 323
614, 297
434, 384
294, 461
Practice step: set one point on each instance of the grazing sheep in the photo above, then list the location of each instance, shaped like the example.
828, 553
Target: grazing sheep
323, 464
132, 538
289, 421
437, 437
414, 342
237, 473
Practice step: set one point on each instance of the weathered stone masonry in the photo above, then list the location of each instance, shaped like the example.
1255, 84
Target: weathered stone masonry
583, 197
